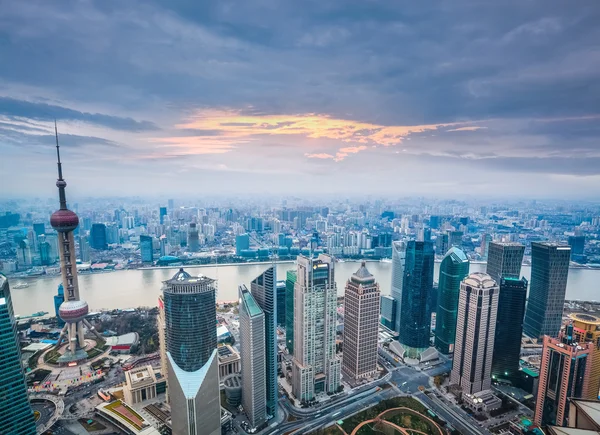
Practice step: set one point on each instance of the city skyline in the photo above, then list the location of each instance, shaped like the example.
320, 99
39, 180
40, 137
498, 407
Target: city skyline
239, 96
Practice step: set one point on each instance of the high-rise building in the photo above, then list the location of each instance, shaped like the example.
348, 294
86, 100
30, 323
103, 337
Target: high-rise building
549, 271
193, 241
564, 374
577, 244
73, 310
454, 268
146, 249
415, 312
161, 323
398, 262
504, 260
586, 329
509, 328
16, 416
171, 204
361, 325
242, 242
441, 244
485, 244
264, 292
45, 251
39, 228
388, 312
315, 366
192, 362
290, 283
455, 238
98, 237
162, 212
281, 301
59, 298
84, 249
253, 355
475, 333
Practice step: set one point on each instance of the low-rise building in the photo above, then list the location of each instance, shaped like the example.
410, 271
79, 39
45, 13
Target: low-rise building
229, 361
482, 401
140, 385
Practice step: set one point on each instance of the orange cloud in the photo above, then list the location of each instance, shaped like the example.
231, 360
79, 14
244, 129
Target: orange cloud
230, 128
319, 156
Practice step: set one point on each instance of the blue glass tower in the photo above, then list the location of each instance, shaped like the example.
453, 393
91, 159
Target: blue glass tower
415, 317
146, 249
264, 290
454, 268
16, 416
59, 298
98, 237
242, 242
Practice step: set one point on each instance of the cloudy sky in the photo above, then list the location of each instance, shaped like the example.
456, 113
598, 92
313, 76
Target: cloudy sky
437, 98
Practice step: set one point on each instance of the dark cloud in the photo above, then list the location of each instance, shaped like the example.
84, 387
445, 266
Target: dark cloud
47, 112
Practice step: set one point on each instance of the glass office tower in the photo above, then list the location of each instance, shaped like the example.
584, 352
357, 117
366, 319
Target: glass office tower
289, 310
509, 328
398, 260
415, 312
16, 416
264, 291
454, 268
549, 272
192, 363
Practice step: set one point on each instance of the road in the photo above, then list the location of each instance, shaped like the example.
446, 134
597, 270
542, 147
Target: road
404, 381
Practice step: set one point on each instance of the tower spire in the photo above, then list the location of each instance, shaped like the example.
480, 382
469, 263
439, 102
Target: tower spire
60, 183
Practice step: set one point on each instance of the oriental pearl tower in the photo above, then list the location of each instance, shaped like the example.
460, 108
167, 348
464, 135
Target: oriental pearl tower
73, 310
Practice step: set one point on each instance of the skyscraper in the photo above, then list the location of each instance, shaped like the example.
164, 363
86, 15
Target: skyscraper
564, 374
475, 333
84, 249
388, 312
264, 292
398, 261
146, 249
455, 238
509, 328
454, 268
73, 310
192, 363
415, 312
361, 324
281, 303
577, 244
59, 298
98, 237
315, 367
16, 416
549, 271
242, 242
504, 260
193, 238
586, 329
162, 212
290, 283
253, 356
39, 228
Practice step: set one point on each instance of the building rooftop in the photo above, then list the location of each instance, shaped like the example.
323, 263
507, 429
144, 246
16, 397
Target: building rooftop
191, 382
457, 255
480, 280
140, 376
182, 277
591, 408
585, 318
249, 302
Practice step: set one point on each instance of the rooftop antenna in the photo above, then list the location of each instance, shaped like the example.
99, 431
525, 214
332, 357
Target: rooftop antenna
60, 183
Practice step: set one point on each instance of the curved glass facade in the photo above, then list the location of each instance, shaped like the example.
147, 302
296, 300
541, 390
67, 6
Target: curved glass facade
16, 416
454, 268
415, 317
190, 316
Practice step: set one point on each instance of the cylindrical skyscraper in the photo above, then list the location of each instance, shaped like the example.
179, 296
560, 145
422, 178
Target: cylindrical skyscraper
192, 363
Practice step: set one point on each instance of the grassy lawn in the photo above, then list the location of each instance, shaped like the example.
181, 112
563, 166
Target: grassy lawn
52, 357
351, 422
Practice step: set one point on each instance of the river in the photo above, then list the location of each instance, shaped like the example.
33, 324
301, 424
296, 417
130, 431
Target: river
134, 288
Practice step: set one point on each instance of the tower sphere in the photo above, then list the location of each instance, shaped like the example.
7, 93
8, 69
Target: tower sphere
64, 221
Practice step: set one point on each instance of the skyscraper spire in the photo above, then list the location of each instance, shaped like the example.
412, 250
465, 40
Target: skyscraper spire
60, 183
